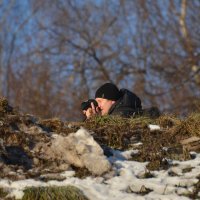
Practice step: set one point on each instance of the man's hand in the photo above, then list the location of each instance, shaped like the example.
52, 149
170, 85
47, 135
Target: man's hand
91, 111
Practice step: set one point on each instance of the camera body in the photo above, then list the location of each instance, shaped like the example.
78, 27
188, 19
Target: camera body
87, 104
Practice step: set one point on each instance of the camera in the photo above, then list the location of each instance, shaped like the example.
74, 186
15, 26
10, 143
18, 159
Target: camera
87, 104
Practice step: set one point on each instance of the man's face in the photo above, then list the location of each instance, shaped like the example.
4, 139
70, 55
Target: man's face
104, 105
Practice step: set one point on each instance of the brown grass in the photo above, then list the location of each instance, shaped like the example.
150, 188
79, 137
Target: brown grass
117, 132
55, 193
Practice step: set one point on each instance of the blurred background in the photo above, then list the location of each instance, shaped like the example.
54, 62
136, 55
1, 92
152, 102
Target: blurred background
54, 54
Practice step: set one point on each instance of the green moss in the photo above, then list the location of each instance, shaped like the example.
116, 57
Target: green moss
54, 193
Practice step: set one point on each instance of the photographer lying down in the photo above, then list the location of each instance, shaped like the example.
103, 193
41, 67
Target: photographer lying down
109, 100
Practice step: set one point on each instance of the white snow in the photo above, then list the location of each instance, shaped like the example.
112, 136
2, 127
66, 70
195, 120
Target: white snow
154, 127
125, 180
79, 149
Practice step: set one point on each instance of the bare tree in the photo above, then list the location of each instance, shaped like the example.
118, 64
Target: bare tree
70, 47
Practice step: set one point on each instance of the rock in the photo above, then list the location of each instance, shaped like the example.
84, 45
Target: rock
53, 176
138, 189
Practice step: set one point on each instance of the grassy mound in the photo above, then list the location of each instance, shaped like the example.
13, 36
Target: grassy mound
55, 193
109, 131
112, 131
122, 133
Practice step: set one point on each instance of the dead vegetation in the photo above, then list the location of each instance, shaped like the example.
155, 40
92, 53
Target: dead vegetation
156, 145
56, 193
115, 132
20, 132
2, 193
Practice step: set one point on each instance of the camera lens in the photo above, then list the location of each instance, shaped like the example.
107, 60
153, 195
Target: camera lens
87, 104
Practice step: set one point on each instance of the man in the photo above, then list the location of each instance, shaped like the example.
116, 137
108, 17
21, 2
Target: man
112, 101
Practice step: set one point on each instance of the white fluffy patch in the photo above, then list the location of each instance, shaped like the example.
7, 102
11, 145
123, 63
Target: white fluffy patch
153, 127
78, 149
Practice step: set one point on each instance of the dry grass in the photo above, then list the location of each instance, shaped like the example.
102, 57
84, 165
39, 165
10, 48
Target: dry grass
3, 193
113, 131
117, 132
81, 172
55, 193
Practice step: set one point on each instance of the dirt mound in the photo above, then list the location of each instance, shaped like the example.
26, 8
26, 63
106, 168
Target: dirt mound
28, 146
174, 139
20, 134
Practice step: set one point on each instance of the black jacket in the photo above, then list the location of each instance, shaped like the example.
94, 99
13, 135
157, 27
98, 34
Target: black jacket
128, 105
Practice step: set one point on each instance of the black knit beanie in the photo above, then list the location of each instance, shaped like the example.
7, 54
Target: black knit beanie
108, 91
